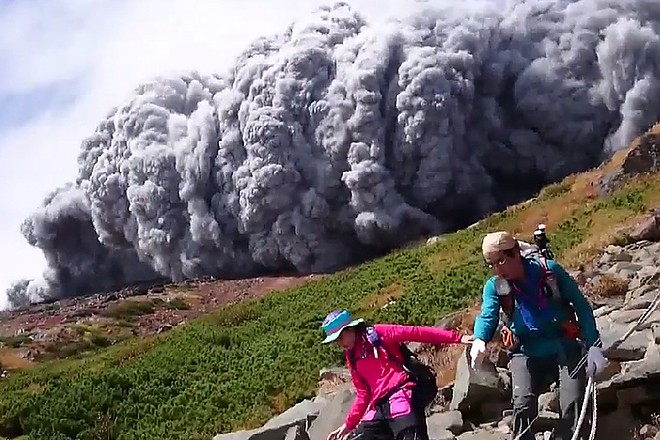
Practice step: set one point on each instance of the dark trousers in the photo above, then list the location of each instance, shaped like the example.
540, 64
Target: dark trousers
383, 427
533, 376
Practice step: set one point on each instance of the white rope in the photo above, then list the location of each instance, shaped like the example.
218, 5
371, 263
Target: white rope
594, 412
583, 412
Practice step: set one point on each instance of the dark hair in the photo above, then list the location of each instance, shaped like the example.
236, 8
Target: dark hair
361, 328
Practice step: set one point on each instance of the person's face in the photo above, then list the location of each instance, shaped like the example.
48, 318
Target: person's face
506, 264
346, 338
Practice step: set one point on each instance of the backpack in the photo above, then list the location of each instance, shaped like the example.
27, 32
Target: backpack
548, 287
425, 389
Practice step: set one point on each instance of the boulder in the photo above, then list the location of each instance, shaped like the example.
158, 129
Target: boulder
475, 386
446, 421
279, 427
333, 413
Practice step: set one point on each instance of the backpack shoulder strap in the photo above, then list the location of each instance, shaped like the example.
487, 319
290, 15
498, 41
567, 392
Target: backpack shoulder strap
377, 342
353, 360
506, 298
549, 279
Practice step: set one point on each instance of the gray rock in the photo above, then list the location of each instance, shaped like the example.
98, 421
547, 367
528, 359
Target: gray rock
332, 414
633, 348
296, 433
641, 301
504, 429
613, 249
335, 373
647, 229
638, 292
549, 401
622, 256
605, 259
650, 271
655, 329
634, 384
442, 434
626, 316
302, 413
473, 386
483, 435
651, 320
450, 421
604, 310
277, 428
624, 270
238, 435
506, 421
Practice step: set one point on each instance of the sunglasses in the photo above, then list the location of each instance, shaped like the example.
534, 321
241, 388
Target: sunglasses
501, 261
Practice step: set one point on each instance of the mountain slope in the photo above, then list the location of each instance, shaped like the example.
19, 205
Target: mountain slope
238, 366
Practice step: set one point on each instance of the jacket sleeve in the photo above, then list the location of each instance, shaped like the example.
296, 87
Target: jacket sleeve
571, 292
360, 403
487, 321
408, 333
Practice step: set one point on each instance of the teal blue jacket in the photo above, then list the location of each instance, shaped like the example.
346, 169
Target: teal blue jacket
546, 340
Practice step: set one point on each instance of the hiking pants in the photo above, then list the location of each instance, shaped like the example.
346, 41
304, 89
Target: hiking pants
533, 376
398, 417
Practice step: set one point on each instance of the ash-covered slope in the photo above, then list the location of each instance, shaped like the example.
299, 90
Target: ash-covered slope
338, 139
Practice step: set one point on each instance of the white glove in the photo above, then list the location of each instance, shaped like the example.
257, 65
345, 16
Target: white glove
477, 351
596, 362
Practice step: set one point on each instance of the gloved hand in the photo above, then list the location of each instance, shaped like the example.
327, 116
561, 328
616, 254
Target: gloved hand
596, 362
477, 351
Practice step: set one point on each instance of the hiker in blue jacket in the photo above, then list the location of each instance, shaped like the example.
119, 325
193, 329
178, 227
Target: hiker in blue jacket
540, 302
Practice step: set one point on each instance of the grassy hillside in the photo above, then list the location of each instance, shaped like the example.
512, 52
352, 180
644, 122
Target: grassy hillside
237, 367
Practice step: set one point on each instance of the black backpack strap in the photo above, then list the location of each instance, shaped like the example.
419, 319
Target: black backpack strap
394, 359
353, 361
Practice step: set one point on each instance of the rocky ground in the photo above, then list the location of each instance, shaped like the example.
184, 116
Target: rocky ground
621, 284
71, 326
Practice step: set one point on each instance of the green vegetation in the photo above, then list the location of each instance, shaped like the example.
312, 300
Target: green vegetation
129, 309
16, 341
239, 366
177, 303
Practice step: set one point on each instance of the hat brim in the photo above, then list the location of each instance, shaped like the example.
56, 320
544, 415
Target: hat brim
333, 337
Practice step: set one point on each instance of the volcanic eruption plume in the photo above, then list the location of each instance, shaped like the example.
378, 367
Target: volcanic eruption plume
339, 139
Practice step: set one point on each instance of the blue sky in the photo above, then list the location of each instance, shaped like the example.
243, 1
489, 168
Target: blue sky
64, 63
22, 107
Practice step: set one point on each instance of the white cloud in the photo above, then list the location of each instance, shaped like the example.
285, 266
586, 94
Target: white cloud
112, 45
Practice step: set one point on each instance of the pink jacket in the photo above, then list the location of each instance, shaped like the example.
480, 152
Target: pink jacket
382, 374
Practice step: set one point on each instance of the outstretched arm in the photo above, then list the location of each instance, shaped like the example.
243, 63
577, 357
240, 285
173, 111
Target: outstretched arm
486, 323
409, 333
571, 291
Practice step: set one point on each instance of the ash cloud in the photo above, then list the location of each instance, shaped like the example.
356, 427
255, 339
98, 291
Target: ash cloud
339, 139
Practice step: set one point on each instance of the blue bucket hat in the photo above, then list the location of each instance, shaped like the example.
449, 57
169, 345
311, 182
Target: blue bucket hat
337, 321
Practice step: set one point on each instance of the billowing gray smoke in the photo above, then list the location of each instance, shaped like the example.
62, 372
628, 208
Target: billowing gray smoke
337, 140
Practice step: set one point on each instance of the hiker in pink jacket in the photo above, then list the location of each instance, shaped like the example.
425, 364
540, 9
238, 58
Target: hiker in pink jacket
388, 400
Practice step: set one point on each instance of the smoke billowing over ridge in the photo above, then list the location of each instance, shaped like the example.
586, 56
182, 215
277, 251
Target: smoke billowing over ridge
339, 139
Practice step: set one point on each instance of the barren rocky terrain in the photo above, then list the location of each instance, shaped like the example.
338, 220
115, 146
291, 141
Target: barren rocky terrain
73, 326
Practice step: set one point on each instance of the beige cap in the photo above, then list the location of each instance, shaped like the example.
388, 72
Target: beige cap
497, 242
